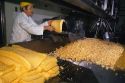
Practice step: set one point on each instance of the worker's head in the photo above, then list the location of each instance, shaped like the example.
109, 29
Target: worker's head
27, 8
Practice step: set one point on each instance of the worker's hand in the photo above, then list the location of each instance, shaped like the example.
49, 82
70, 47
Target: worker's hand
49, 28
49, 22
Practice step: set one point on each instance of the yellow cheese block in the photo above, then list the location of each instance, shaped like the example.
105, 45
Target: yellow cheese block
54, 71
17, 67
15, 57
47, 67
50, 74
34, 75
57, 25
9, 77
21, 65
1, 81
8, 61
48, 63
46, 75
120, 63
34, 58
6, 68
38, 80
16, 80
21, 81
29, 74
30, 77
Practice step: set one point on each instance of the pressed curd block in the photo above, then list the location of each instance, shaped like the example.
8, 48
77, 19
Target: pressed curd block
6, 68
57, 25
15, 57
48, 63
34, 58
21, 65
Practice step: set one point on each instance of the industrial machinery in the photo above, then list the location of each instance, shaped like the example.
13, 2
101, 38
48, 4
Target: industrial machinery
99, 21
90, 18
101, 25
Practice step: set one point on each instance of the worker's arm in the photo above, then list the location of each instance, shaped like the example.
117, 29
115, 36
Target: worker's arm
48, 27
31, 27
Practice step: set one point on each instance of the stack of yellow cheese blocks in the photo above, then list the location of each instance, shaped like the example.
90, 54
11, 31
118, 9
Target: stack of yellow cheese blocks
21, 65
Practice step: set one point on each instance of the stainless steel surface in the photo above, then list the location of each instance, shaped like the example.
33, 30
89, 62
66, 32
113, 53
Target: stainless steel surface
2, 24
89, 6
44, 46
105, 4
93, 72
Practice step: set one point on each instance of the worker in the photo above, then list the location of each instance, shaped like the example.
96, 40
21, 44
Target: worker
24, 25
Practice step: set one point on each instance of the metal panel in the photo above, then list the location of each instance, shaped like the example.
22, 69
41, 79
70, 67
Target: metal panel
2, 24
89, 6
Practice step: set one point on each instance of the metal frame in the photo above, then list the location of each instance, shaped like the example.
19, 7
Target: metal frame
2, 24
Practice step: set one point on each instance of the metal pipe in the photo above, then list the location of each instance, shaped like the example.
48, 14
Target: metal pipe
105, 4
2, 24
112, 10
